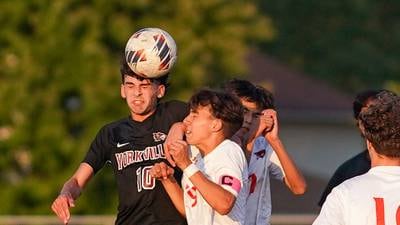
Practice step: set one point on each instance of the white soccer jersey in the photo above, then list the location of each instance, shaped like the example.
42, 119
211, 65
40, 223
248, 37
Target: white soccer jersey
263, 164
370, 199
226, 165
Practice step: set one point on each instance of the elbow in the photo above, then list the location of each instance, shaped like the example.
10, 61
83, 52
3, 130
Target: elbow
300, 189
226, 206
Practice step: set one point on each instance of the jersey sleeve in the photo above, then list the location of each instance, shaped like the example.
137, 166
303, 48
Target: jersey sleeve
230, 172
99, 151
333, 210
275, 168
178, 110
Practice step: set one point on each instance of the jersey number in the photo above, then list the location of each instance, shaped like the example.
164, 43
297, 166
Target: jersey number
380, 212
253, 182
143, 179
192, 193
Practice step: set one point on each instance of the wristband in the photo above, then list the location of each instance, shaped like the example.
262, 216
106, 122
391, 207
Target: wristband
190, 170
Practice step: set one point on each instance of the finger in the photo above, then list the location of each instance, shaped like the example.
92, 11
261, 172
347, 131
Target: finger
60, 207
154, 171
71, 202
164, 174
168, 155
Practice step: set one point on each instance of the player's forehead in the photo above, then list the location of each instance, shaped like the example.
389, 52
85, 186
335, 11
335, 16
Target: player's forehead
249, 105
201, 110
137, 80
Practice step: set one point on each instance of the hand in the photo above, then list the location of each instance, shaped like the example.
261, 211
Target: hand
61, 206
272, 134
176, 132
179, 152
266, 121
161, 171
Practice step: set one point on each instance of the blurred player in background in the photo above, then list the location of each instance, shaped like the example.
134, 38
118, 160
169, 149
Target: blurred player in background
371, 198
360, 163
265, 151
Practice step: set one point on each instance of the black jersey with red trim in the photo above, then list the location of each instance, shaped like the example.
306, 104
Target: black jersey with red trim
133, 148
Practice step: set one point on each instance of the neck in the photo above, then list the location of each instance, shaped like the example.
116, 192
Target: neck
210, 144
141, 118
381, 160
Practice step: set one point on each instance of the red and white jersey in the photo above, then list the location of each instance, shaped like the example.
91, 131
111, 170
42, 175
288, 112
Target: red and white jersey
263, 163
226, 166
370, 199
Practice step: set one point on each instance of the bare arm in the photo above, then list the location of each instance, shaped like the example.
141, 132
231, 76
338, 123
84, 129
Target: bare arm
216, 196
164, 173
294, 180
71, 191
176, 132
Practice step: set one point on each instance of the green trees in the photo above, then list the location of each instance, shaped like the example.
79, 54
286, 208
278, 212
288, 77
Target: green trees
350, 43
59, 81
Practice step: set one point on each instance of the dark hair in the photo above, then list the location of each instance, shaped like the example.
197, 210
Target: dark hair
244, 89
362, 100
223, 106
380, 123
266, 99
241, 89
125, 70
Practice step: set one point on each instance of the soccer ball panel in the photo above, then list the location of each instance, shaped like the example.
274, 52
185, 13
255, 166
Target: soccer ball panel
151, 52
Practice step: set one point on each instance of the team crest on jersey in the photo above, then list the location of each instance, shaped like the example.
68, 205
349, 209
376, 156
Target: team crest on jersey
260, 154
159, 136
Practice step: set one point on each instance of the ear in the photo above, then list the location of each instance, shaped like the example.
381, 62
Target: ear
216, 125
160, 91
123, 91
370, 146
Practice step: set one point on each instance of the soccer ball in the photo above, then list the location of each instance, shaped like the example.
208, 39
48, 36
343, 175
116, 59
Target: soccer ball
151, 52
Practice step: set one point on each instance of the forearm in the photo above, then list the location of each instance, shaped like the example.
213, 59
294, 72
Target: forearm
71, 188
216, 196
293, 177
175, 193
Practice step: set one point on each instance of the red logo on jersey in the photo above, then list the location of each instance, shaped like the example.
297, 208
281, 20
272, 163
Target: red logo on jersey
260, 154
192, 193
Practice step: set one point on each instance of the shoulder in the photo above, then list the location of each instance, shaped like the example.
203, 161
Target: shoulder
356, 165
231, 149
174, 110
112, 125
173, 104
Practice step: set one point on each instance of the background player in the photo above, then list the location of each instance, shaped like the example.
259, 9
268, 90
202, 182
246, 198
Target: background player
265, 151
371, 198
360, 163
215, 171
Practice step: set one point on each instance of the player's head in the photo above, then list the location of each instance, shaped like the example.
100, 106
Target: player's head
125, 70
245, 91
266, 99
380, 124
212, 112
141, 94
362, 100
253, 98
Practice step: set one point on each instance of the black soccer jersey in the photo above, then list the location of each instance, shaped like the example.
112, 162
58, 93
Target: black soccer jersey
133, 148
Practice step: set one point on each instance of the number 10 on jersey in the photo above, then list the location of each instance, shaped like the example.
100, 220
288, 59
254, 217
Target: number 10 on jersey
143, 179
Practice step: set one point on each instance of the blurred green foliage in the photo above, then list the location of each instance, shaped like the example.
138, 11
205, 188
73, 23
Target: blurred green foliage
59, 81
353, 44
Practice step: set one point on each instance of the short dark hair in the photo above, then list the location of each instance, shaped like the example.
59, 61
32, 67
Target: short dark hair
380, 123
244, 89
125, 70
223, 106
266, 99
362, 100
